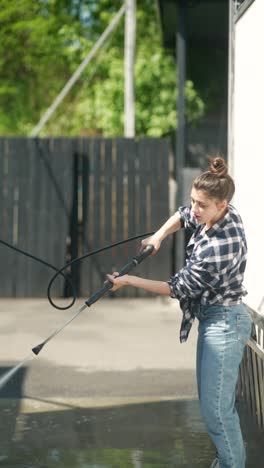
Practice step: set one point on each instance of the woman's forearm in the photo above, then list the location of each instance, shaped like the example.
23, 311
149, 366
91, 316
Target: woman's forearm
158, 287
173, 224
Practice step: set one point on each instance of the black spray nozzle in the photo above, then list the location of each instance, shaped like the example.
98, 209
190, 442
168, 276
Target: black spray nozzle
36, 350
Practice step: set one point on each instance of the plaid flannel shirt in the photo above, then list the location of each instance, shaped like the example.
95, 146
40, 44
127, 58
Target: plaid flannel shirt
215, 265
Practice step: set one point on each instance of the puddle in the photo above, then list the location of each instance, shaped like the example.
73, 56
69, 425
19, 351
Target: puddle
139, 435
156, 434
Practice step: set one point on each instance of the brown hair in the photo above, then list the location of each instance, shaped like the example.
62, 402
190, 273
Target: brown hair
216, 181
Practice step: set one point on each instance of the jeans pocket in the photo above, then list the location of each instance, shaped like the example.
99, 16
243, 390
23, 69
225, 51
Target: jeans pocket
244, 326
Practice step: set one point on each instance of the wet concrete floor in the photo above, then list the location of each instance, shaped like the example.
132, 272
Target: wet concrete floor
111, 433
119, 433
114, 390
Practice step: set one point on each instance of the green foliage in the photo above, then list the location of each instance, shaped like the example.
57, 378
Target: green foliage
43, 42
35, 59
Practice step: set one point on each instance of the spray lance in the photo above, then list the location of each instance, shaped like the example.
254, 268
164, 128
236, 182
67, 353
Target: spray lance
99, 293
136, 260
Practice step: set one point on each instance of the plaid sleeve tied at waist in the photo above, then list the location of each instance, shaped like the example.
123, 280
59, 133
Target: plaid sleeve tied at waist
215, 265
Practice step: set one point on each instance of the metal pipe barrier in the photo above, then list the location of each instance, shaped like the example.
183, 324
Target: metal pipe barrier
250, 386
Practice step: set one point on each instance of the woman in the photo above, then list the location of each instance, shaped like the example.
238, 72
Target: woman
210, 288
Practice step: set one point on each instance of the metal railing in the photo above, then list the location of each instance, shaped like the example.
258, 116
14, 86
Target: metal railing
251, 374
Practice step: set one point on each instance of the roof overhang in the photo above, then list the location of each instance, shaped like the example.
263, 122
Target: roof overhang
207, 23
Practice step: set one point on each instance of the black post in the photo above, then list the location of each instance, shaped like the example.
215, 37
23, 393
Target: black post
180, 133
231, 59
74, 228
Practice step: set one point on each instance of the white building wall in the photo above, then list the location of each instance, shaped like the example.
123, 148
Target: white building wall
248, 141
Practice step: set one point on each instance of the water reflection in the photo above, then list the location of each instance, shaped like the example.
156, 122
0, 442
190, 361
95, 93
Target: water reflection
159, 434
142, 435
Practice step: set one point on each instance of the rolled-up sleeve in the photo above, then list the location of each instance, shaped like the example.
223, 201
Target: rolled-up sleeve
192, 280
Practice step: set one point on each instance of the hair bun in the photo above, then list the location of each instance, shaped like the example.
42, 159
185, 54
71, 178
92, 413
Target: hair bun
218, 167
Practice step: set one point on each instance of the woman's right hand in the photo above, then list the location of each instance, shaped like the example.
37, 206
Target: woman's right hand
153, 241
117, 281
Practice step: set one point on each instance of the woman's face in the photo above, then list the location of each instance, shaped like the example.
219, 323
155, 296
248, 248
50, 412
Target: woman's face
207, 210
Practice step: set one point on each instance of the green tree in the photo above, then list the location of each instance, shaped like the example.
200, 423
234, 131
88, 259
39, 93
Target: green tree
42, 43
36, 41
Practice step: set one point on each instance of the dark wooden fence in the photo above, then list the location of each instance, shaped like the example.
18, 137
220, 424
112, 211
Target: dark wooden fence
63, 197
251, 375
35, 203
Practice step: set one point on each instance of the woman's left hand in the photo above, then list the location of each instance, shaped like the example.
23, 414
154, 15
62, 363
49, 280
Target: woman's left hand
118, 281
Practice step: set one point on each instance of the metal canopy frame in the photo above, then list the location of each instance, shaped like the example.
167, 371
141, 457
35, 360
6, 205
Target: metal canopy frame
241, 7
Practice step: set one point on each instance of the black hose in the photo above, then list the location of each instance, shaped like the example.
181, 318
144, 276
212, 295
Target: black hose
75, 260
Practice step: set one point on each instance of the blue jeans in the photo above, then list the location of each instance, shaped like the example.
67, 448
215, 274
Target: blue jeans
223, 333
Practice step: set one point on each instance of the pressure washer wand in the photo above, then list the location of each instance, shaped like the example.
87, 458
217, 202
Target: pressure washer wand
99, 293
126, 269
